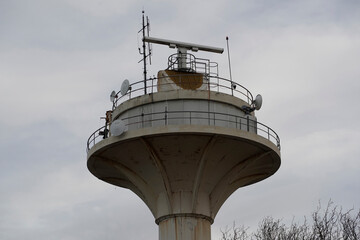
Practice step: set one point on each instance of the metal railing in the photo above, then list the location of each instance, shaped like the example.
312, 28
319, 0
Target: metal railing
96, 137
191, 118
213, 82
192, 64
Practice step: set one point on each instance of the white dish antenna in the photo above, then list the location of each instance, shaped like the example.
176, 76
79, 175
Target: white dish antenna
258, 102
117, 127
125, 87
113, 96
255, 105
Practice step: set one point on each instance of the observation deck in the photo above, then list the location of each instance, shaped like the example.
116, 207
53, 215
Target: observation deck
217, 90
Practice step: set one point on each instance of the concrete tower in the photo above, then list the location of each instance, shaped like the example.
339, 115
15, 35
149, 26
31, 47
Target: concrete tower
184, 142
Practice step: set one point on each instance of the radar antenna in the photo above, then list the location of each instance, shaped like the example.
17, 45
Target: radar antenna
145, 31
182, 48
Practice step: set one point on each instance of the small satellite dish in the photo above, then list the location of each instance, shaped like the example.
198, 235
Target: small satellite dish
113, 96
117, 127
125, 87
258, 102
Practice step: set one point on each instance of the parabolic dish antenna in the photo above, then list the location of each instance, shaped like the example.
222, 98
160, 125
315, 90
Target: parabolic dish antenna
117, 127
258, 102
113, 96
125, 87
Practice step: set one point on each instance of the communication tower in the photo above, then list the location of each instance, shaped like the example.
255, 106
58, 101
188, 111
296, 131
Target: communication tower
183, 141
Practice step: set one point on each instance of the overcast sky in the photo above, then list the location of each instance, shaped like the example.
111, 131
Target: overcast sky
60, 59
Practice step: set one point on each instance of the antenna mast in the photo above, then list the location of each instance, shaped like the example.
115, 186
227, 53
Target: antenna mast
232, 85
144, 53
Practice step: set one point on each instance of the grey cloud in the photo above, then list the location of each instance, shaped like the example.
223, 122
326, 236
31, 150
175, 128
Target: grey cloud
55, 25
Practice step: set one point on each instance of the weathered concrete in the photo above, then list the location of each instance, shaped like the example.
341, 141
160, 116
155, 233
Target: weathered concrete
178, 95
183, 172
189, 228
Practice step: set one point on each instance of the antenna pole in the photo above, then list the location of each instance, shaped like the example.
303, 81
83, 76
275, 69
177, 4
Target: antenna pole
148, 33
232, 85
144, 49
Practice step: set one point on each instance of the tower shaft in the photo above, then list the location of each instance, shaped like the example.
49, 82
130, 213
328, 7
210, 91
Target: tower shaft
185, 228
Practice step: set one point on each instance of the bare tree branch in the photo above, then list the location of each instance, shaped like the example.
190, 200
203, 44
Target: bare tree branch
330, 223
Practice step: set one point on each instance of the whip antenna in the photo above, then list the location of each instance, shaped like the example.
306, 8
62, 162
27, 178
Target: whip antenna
233, 86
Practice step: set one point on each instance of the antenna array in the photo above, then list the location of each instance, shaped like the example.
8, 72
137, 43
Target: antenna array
145, 52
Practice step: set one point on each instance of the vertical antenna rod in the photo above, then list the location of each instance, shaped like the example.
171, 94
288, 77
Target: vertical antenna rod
144, 49
148, 33
232, 85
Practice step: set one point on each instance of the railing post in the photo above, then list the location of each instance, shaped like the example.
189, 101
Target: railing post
142, 119
152, 85
209, 121
208, 82
190, 118
268, 133
165, 116
248, 123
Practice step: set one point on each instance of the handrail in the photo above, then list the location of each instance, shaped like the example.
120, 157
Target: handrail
212, 118
191, 64
215, 83
92, 139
